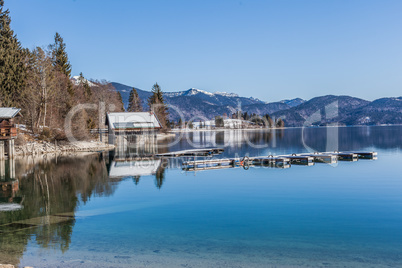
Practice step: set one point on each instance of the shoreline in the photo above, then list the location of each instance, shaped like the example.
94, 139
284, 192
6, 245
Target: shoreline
42, 148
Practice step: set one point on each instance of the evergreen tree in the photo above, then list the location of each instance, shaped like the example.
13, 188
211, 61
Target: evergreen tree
157, 105
62, 64
12, 57
120, 100
87, 89
157, 95
219, 122
268, 122
280, 123
134, 102
60, 57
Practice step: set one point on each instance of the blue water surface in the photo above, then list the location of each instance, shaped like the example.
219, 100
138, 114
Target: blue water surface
344, 215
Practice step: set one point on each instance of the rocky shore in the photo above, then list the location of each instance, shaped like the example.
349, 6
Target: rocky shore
41, 148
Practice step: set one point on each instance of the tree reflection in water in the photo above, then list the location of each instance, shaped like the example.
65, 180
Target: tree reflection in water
50, 187
160, 174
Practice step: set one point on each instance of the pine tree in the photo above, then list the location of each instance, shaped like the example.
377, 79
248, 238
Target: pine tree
62, 64
157, 105
280, 123
219, 122
60, 57
87, 89
120, 99
134, 102
268, 122
157, 95
12, 57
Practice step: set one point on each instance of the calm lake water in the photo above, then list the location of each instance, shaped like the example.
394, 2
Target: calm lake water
103, 211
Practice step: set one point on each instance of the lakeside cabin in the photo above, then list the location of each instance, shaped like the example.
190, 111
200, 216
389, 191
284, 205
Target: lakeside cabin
126, 127
8, 130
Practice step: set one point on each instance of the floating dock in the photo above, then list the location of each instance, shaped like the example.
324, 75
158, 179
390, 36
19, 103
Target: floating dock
366, 155
280, 161
193, 152
271, 161
322, 157
301, 160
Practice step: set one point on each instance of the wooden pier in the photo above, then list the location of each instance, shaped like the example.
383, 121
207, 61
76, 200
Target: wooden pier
366, 155
300, 160
281, 161
193, 152
322, 157
270, 161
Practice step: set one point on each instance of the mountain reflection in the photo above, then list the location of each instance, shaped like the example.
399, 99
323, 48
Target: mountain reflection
293, 140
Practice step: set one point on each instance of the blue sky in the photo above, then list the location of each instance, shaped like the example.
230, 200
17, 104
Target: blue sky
271, 50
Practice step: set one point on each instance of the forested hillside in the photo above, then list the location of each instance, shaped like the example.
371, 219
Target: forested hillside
38, 81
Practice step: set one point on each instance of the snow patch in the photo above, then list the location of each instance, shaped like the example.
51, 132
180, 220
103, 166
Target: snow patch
225, 94
195, 91
77, 80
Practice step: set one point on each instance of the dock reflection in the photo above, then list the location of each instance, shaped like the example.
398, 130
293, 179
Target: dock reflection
10, 198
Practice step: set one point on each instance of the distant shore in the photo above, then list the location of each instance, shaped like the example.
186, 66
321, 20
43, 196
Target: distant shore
177, 130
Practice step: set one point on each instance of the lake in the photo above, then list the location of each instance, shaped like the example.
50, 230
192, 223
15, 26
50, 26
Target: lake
101, 210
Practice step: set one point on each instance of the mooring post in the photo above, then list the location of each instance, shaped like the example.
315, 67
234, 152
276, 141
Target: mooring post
2, 151
2, 169
12, 168
11, 149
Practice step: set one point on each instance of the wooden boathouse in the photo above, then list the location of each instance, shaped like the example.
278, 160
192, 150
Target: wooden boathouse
130, 127
8, 131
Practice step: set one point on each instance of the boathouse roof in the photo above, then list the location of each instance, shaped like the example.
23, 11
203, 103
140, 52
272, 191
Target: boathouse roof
8, 113
138, 120
134, 168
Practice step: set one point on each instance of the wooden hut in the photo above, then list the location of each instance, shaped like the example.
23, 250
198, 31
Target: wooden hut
8, 130
7, 123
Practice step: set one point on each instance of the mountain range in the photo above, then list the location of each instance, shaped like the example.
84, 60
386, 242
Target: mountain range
323, 110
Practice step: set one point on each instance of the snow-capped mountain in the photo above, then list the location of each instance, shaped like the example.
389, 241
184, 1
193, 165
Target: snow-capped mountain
198, 102
78, 79
196, 91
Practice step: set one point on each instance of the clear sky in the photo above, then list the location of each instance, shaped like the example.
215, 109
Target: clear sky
271, 50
